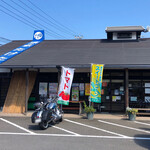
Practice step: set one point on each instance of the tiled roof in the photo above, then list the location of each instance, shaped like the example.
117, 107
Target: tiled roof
79, 53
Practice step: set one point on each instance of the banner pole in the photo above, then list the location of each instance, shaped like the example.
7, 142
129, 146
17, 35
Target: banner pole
90, 85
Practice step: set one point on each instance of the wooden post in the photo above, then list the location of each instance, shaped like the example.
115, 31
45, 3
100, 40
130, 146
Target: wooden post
27, 88
126, 88
59, 75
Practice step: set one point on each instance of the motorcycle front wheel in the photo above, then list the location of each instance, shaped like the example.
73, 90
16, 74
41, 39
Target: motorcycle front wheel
43, 125
61, 119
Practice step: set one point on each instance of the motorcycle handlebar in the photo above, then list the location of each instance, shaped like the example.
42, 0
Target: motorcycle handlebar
54, 99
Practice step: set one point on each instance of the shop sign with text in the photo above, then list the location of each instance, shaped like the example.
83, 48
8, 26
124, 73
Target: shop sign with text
65, 85
96, 83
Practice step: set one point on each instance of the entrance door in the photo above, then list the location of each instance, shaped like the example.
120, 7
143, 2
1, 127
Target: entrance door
117, 96
113, 96
106, 96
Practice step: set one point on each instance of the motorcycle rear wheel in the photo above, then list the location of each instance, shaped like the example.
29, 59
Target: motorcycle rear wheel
43, 125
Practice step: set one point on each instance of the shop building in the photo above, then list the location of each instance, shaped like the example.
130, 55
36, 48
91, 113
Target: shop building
126, 77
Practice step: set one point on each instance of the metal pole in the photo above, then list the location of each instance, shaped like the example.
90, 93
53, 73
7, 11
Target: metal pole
126, 88
90, 85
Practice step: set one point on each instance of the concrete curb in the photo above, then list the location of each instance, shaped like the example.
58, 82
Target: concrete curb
96, 116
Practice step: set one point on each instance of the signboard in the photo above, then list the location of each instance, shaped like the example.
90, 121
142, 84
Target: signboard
87, 89
96, 83
133, 98
81, 88
75, 93
147, 99
104, 84
53, 89
65, 85
115, 98
43, 89
102, 92
147, 84
37, 38
147, 90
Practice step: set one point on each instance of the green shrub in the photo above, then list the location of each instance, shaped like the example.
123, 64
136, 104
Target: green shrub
88, 109
131, 110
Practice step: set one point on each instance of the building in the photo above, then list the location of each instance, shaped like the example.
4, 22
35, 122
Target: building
126, 78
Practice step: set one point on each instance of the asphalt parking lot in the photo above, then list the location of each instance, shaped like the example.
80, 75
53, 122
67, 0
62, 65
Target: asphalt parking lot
20, 133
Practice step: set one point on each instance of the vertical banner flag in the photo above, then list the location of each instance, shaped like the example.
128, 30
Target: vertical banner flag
38, 37
96, 83
65, 85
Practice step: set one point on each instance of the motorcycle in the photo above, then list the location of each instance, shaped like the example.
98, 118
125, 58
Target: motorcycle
47, 113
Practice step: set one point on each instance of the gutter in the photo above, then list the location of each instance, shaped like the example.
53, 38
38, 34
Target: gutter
107, 66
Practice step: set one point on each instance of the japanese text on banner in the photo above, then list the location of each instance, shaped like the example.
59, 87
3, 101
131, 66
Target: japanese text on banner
65, 85
96, 83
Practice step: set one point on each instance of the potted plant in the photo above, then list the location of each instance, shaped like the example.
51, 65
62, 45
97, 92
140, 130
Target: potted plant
89, 110
131, 113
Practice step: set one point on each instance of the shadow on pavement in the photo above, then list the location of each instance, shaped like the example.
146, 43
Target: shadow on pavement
34, 127
147, 129
145, 143
84, 117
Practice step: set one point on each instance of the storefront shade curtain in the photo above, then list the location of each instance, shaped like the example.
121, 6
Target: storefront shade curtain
65, 85
96, 82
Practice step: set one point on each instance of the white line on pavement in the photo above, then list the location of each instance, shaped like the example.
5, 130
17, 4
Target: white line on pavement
17, 126
78, 136
65, 130
142, 123
95, 128
124, 126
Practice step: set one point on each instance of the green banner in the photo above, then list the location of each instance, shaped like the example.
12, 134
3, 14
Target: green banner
63, 102
96, 83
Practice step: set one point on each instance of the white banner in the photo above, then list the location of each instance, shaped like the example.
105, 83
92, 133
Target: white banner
65, 85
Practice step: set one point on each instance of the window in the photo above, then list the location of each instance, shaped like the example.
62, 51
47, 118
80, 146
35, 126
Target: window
124, 35
139, 88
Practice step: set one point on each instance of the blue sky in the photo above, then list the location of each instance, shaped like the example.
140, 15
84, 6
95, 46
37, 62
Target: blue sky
85, 17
